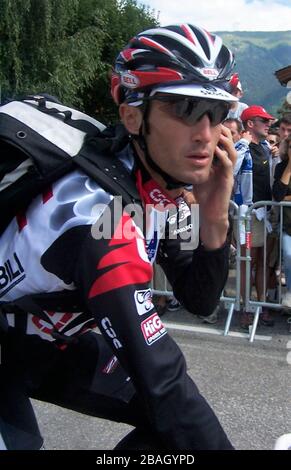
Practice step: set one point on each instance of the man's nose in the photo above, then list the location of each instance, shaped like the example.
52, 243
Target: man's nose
202, 130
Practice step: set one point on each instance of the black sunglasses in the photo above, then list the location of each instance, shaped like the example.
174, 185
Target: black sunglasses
191, 110
263, 120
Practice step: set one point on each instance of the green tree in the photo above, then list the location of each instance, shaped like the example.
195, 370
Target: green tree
66, 47
122, 20
45, 47
285, 107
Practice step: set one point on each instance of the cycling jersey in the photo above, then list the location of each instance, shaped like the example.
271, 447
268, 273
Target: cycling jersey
55, 247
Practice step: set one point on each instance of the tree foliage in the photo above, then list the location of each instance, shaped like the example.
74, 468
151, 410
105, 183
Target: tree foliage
286, 105
66, 48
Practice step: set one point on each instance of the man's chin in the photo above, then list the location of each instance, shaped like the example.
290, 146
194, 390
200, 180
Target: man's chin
198, 177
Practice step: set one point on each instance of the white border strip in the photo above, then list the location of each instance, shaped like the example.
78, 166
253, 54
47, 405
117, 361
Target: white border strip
2, 444
213, 331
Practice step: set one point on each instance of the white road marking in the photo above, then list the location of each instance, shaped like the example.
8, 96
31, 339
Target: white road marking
213, 331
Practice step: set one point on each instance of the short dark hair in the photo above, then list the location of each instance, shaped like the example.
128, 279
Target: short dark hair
284, 148
285, 119
273, 132
237, 121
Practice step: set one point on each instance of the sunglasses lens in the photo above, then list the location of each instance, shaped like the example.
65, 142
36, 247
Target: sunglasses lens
191, 111
220, 112
183, 109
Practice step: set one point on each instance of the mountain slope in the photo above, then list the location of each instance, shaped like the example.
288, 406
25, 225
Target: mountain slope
258, 55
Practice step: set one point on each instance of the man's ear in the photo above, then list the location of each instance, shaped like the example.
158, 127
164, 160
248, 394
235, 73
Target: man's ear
131, 117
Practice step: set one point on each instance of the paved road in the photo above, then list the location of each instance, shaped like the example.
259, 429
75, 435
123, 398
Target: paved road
248, 385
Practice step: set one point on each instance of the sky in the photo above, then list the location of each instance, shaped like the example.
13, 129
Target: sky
225, 15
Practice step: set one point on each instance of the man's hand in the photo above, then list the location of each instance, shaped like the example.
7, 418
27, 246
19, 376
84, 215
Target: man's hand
213, 196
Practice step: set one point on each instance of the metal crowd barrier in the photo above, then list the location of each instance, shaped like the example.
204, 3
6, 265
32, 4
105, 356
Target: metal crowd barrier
248, 304
255, 306
235, 303
160, 280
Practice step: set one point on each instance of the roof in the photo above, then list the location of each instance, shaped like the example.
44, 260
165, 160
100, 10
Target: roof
284, 75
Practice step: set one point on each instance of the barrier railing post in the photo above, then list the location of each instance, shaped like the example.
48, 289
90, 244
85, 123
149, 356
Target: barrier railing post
233, 303
256, 305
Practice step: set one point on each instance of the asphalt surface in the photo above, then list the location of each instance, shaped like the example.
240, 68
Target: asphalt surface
247, 384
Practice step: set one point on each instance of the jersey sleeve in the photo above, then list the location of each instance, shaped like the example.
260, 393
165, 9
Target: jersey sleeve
113, 275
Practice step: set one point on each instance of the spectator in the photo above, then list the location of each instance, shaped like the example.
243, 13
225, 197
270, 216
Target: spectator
235, 127
163, 302
252, 184
282, 192
284, 128
273, 140
237, 107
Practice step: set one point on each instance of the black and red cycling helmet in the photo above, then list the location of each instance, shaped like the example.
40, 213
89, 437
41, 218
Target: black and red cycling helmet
172, 55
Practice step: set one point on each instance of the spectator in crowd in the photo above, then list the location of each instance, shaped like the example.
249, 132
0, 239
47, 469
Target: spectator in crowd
236, 90
236, 128
273, 140
282, 192
161, 283
252, 184
284, 128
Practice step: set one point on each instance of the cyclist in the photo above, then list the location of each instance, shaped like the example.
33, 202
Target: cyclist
170, 85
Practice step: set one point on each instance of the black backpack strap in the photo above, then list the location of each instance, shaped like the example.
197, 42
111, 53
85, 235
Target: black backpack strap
36, 305
97, 161
3, 324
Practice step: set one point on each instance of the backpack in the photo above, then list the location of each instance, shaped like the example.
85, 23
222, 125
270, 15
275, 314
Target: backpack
42, 140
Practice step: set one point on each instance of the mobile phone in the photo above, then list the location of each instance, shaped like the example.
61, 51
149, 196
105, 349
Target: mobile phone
215, 160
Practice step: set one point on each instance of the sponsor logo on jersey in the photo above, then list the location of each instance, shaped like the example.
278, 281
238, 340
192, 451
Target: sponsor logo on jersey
110, 366
182, 229
153, 329
143, 301
107, 326
183, 213
11, 274
157, 196
152, 247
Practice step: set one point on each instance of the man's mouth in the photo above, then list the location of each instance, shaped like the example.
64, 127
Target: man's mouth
199, 159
